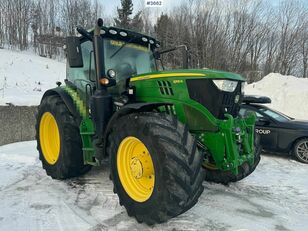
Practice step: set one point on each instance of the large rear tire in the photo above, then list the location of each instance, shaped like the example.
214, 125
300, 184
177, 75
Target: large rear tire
225, 177
155, 166
58, 140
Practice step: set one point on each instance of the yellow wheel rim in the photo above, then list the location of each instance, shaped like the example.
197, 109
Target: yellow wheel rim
135, 169
49, 138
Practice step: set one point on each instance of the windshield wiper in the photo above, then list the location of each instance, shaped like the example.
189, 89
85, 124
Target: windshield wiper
117, 51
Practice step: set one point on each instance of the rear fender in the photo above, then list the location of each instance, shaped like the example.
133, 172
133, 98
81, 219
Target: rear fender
67, 99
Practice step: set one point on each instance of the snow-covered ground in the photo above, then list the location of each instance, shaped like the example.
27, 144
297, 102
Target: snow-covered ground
274, 197
289, 94
24, 77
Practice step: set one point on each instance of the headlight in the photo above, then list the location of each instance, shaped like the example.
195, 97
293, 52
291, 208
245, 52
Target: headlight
225, 85
111, 73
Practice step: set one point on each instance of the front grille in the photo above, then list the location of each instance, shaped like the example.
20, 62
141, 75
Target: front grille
165, 87
229, 105
218, 102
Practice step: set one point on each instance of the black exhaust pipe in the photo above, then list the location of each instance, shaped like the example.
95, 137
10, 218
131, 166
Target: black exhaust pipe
101, 100
99, 53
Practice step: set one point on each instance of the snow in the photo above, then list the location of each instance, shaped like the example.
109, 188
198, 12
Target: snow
274, 197
289, 94
24, 77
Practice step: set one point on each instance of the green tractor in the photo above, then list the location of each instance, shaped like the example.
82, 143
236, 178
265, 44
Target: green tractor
164, 132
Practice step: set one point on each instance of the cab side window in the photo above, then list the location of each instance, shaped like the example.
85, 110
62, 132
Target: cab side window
86, 74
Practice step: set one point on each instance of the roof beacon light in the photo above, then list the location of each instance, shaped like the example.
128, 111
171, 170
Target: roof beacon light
114, 32
123, 33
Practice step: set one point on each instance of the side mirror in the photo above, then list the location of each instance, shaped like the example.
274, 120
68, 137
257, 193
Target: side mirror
156, 55
185, 57
74, 55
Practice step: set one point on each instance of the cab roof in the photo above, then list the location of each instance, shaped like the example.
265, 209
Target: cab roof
128, 36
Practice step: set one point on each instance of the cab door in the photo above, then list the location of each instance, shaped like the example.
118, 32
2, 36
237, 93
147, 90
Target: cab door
84, 75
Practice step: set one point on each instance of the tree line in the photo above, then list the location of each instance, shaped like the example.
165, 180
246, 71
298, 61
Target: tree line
43, 24
251, 37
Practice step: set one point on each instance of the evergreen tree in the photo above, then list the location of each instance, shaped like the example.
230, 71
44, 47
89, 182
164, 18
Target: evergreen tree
165, 30
137, 22
124, 20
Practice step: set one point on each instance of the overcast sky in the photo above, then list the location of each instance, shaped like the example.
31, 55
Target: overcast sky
111, 5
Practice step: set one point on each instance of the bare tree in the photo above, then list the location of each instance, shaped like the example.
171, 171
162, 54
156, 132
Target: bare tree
245, 36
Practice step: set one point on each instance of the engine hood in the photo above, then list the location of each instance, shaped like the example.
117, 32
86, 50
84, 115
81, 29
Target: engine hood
189, 73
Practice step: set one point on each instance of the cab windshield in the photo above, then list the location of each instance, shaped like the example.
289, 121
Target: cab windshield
131, 60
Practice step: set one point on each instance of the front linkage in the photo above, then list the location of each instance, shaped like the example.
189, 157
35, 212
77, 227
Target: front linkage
232, 145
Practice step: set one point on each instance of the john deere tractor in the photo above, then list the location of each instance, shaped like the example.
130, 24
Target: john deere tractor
164, 132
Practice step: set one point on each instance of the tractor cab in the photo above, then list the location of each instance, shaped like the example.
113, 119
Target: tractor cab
127, 53
123, 54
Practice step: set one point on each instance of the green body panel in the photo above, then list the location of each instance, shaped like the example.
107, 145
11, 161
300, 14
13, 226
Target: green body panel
228, 148
87, 131
86, 127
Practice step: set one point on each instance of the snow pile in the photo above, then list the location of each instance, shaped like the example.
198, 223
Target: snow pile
24, 77
289, 94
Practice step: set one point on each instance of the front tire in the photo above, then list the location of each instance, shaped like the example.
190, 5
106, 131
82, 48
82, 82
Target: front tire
155, 166
58, 140
300, 150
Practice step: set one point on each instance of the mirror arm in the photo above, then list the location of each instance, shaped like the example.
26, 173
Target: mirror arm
185, 61
84, 33
162, 65
184, 46
167, 50
185, 56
